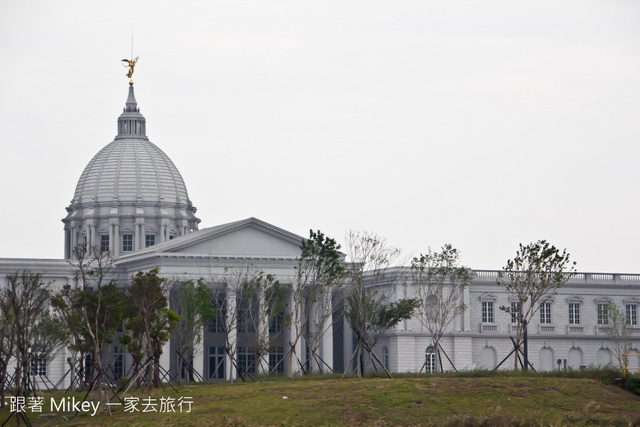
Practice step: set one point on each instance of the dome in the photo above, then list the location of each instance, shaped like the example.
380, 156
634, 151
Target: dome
130, 195
131, 169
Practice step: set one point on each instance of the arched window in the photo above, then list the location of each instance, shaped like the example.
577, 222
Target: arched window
430, 360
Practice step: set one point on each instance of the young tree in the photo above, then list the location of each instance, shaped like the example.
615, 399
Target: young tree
7, 341
531, 278
371, 290
67, 304
96, 305
270, 298
440, 281
51, 335
619, 333
27, 297
151, 318
230, 295
195, 308
133, 340
319, 280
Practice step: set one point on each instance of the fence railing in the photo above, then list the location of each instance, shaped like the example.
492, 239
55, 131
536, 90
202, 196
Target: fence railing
575, 278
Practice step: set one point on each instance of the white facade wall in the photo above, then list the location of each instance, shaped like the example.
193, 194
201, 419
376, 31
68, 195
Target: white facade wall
468, 342
471, 344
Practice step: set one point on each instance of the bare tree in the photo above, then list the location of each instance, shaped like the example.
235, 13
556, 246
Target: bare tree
267, 296
194, 306
230, 295
51, 335
319, 280
619, 332
65, 303
440, 281
371, 304
27, 297
7, 341
531, 278
98, 303
149, 313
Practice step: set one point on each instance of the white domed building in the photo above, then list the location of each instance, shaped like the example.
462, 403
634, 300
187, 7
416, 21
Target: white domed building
130, 195
132, 201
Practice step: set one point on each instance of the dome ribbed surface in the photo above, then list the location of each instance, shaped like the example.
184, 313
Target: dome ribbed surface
131, 169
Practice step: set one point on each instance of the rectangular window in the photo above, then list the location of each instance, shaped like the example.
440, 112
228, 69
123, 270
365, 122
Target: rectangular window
276, 324
246, 360
118, 364
487, 311
215, 325
275, 359
603, 314
216, 363
38, 365
104, 243
515, 308
430, 358
246, 320
574, 314
545, 313
127, 242
149, 240
632, 315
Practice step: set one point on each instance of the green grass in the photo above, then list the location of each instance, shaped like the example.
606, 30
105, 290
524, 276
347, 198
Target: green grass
465, 399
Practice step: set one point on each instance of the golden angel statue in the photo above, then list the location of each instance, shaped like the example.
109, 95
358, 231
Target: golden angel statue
130, 63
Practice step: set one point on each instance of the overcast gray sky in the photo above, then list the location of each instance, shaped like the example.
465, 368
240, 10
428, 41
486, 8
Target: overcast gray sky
477, 123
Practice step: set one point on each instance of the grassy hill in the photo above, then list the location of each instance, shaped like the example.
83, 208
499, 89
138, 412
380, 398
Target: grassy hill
468, 399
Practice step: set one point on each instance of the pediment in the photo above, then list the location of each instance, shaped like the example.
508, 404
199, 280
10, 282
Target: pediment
246, 238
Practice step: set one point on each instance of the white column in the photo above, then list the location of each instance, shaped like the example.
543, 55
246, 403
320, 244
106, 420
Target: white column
111, 238
74, 240
165, 357
466, 317
116, 239
263, 333
314, 318
143, 236
231, 371
408, 323
327, 335
163, 233
135, 236
198, 358
347, 344
293, 331
94, 235
90, 232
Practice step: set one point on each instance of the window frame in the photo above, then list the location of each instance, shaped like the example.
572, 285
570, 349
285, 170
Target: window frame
574, 313
545, 313
631, 312
104, 243
515, 308
276, 356
603, 313
430, 360
127, 242
488, 312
